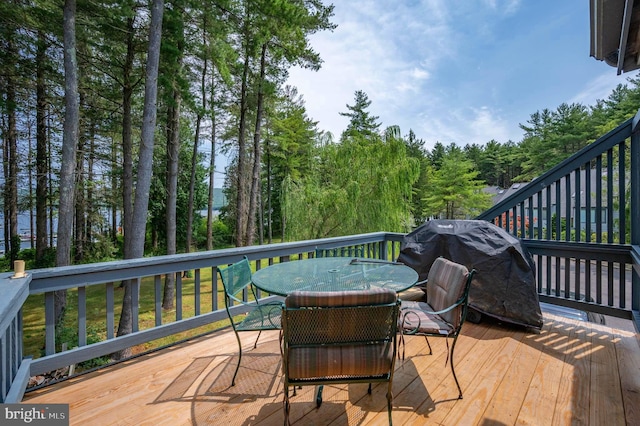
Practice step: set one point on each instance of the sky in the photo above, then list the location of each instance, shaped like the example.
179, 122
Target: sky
454, 71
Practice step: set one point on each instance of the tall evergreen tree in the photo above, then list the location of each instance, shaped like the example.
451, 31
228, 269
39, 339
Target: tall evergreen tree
361, 121
455, 192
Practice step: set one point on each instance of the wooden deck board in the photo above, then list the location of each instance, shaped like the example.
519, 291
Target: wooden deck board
542, 392
570, 373
572, 401
628, 353
605, 394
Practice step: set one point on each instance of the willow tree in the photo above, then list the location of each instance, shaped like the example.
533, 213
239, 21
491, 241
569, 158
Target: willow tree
363, 184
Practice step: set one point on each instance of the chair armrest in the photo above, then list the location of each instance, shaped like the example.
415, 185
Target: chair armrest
447, 309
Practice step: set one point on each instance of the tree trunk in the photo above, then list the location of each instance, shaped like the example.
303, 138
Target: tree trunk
212, 167
145, 166
41, 152
69, 146
241, 199
12, 239
257, 155
194, 161
173, 153
32, 230
269, 215
115, 228
127, 144
12, 183
80, 204
89, 194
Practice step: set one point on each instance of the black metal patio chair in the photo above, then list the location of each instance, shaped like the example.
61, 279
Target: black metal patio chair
445, 309
236, 279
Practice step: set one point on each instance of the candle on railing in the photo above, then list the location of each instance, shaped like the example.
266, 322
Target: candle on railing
18, 268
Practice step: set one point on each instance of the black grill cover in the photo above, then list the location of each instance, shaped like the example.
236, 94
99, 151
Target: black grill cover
504, 286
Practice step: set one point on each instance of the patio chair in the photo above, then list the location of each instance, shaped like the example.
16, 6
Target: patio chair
340, 252
339, 337
236, 279
445, 309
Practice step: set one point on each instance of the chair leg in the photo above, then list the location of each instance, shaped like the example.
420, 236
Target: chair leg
389, 403
319, 389
255, 345
453, 346
287, 405
233, 380
369, 390
429, 345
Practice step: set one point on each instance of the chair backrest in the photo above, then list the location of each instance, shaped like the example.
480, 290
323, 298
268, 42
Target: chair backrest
337, 335
236, 277
448, 282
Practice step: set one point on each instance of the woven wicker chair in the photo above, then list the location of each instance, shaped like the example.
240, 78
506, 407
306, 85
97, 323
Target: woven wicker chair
445, 309
339, 337
236, 279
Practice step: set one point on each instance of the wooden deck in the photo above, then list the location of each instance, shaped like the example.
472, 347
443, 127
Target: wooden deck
571, 373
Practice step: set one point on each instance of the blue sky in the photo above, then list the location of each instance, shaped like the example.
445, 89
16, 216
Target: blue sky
461, 71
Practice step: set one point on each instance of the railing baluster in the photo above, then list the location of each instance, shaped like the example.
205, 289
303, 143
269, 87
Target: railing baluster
622, 207
567, 234
82, 316
50, 323
178, 281
610, 177
196, 291
599, 220
577, 205
587, 199
622, 287
157, 299
110, 307
214, 288
610, 268
135, 304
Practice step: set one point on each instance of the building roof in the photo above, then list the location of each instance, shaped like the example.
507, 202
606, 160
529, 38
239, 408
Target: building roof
614, 33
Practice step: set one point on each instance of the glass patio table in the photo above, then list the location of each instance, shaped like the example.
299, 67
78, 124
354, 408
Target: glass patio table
334, 274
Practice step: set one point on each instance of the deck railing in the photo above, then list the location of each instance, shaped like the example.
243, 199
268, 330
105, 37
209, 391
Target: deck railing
580, 222
204, 299
14, 368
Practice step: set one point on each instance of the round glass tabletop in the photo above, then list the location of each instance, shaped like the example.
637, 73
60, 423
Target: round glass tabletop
333, 274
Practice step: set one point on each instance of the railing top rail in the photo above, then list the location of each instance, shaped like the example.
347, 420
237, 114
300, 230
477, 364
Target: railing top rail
14, 292
51, 279
586, 154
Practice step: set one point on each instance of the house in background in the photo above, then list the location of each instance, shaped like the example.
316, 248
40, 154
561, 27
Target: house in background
587, 210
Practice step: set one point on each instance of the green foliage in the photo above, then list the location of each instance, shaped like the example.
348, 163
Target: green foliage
101, 249
361, 122
31, 262
68, 334
455, 192
157, 209
222, 235
362, 184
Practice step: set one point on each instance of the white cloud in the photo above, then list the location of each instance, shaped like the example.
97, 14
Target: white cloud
599, 87
451, 70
